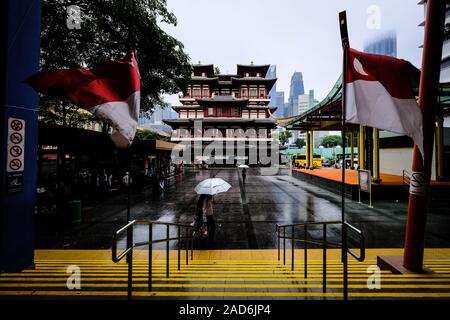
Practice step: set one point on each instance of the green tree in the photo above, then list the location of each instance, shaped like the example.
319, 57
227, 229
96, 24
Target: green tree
331, 141
300, 143
109, 28
284, 137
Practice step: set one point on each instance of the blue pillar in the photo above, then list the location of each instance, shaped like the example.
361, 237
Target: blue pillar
20, 46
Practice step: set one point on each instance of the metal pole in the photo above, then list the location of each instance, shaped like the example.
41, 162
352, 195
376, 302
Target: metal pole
150, 255
306, 251
324, 258
179, 247
278, 242
421, 170
187, 245
130, 263
284, 245
292, 249
345, 46
376, 156
167, 250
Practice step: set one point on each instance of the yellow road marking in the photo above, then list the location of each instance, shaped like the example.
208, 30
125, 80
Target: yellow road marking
225, 285
232, 294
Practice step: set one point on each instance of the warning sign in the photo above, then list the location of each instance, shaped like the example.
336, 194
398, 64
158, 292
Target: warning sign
417, 183
14, 182
15, 145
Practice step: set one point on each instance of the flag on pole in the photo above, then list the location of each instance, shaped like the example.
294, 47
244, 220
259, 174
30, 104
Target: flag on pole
110, 90
379, 94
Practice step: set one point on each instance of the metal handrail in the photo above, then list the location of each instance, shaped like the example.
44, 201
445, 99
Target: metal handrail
325, 245
128, 251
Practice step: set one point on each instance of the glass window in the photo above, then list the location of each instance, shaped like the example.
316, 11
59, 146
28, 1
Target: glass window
244, 91
199, 113
183, 114
196, 92
210, 111
253, 114
253, 92
262, 92
262, 114
205, 92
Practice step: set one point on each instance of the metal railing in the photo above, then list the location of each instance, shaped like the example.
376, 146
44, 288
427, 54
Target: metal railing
406, 177
281, 234
130, 245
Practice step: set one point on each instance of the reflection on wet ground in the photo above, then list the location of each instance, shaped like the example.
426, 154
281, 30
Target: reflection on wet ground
246, 215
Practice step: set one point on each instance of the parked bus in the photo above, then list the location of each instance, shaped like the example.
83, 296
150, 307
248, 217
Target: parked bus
299, 160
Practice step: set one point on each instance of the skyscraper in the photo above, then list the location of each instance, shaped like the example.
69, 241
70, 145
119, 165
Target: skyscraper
279, 103
296, 90
385, 44
272, 74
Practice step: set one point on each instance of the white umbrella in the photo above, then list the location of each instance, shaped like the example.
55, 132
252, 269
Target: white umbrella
243, 166
212, 186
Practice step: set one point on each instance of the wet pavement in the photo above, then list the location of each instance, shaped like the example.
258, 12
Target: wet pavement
245, 216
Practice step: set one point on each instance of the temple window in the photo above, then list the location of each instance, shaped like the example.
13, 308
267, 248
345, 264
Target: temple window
206, 92
262, 92
253, 92
183, 114
244, 91
196, 91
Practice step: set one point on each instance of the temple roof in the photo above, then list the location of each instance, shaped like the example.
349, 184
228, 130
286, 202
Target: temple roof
242, 68
207, 68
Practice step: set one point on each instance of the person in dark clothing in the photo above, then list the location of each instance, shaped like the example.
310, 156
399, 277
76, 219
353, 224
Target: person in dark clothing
204, 214
244, 174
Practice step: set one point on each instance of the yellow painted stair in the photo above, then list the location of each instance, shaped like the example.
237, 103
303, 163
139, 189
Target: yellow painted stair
220, 278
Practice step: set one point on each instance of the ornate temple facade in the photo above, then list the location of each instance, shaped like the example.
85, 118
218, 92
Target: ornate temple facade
226, 118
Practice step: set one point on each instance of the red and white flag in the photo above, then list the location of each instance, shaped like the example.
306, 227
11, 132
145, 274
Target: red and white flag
110, 90
379, 94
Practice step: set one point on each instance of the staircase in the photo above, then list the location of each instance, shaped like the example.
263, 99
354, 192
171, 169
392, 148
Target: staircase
220, 278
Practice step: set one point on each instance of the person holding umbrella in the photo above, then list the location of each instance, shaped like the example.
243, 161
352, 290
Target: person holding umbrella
244, 171
205, 213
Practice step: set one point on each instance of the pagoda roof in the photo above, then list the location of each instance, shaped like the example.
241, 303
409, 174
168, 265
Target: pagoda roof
227, 76
263, 68
207, 68
203, 79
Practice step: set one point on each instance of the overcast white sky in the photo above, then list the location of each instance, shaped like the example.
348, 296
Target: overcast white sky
295, 35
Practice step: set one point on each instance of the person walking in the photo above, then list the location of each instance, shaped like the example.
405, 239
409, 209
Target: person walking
209, 214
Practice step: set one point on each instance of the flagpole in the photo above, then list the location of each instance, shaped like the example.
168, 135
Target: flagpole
421, 168
345, 46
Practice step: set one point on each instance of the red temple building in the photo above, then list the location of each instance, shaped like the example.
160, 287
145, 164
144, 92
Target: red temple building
229, 110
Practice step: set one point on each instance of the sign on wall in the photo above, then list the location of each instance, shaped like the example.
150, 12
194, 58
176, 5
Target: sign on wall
15, 155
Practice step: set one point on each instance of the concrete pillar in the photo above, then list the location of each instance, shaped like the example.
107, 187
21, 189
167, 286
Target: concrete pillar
20, 44
440, 147
311, 153
308, 148
352, 147
361, 148
376, 156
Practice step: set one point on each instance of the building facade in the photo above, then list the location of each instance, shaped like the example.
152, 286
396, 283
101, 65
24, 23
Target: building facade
385, 44
225, 118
